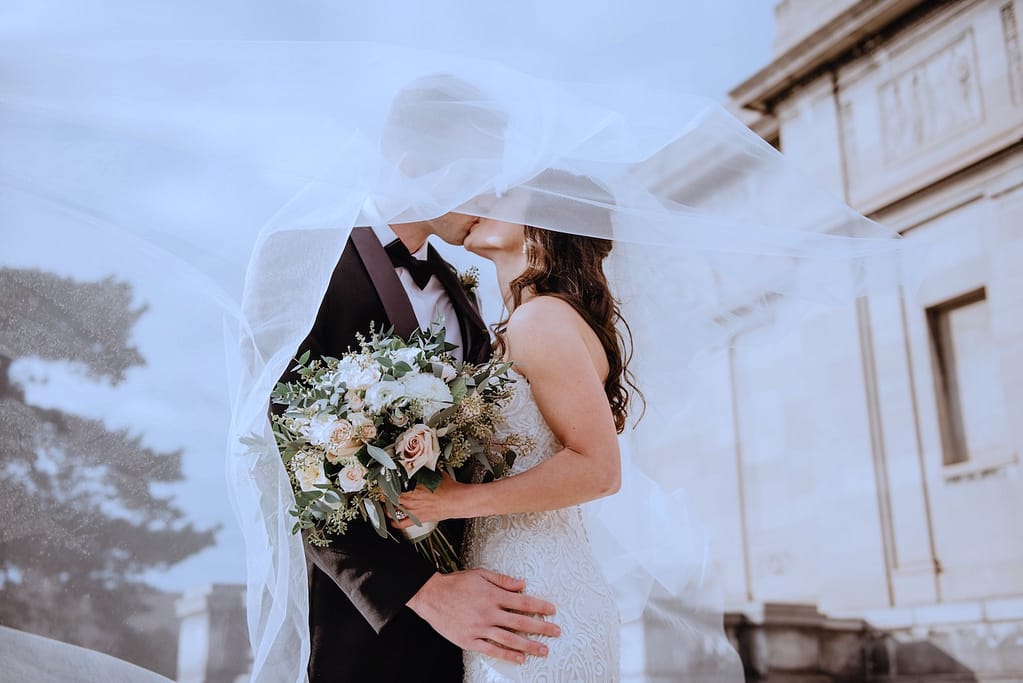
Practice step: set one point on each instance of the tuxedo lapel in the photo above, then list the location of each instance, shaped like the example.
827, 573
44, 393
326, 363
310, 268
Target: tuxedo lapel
385, 281
475, 336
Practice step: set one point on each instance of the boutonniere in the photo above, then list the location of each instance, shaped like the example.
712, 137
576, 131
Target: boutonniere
470, 280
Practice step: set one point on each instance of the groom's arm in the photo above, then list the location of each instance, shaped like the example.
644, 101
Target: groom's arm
379, 575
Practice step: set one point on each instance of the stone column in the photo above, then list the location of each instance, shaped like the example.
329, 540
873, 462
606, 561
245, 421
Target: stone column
212, 645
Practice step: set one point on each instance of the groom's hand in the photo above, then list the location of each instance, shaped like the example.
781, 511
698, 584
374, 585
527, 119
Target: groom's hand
481, 610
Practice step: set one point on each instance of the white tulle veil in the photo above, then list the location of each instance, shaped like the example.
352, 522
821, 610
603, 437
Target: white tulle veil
233, 170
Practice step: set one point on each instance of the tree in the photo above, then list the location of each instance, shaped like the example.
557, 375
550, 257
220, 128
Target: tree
80, 520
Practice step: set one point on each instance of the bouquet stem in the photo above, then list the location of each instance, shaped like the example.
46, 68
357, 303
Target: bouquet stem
434, 546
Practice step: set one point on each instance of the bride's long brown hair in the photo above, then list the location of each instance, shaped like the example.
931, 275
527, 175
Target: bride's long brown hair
570, 267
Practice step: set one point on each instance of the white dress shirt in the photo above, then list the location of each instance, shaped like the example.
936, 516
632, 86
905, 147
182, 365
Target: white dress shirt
431, 303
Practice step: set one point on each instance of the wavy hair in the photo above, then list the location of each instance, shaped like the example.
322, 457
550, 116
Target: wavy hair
570, 267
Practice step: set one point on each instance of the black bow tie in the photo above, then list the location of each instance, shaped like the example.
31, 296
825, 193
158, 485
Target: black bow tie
421, 271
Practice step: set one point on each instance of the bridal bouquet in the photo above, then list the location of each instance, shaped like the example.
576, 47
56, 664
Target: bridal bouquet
360, 429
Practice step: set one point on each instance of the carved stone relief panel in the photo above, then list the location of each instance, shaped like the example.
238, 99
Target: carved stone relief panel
1014, 58
931, 102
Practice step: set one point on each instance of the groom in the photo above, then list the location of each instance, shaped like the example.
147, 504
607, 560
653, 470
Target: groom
378, 611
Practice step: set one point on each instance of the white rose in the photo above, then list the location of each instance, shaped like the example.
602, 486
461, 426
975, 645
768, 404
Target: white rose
366, 377
408, 356
352, 478
418, 448
383, 394
355, 376
320, 429
308, 470
431, 391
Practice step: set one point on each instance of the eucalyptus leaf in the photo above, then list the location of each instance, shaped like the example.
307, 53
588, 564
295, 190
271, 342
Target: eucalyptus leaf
442, 416
252, 440
390, 509
381, 456
458, 389
389, 489
376, 516
484, 460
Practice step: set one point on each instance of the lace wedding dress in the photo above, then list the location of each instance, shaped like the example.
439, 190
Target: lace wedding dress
551, 552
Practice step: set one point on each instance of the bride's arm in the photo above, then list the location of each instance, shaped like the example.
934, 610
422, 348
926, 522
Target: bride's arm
546, 338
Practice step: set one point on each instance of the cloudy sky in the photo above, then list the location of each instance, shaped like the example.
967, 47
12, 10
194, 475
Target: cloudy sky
179, 399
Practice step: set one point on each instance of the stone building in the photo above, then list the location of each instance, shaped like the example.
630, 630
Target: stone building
875, 455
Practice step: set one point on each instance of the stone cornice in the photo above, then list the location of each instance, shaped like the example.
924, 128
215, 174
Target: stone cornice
827, 45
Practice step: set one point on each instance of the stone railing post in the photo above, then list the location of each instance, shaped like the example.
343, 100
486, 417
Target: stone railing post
212, 643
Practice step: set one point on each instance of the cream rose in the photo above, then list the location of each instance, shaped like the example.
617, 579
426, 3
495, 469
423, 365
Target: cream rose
418, 448
309, 471
352, 478
365, 429
353, 399
343, 442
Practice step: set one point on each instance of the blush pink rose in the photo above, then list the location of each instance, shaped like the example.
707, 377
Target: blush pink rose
419, 447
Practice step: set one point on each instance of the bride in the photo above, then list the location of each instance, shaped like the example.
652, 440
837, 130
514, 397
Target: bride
571, 400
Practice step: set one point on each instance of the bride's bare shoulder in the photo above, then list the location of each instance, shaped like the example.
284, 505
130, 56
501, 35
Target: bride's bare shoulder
547, 335
542, 313
546, 326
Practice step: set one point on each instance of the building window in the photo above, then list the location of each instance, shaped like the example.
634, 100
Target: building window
967, 379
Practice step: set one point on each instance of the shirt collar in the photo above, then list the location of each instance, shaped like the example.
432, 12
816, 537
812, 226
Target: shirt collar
423, 252
386, 235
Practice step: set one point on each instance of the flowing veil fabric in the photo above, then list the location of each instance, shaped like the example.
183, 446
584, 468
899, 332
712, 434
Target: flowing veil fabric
233, 171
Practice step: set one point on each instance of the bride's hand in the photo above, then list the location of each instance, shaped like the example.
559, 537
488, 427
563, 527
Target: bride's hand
447, 502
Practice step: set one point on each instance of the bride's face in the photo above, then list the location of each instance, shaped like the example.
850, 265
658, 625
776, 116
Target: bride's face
491, 239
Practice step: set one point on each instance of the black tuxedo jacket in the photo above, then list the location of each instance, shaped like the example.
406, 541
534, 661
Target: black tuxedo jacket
360, 628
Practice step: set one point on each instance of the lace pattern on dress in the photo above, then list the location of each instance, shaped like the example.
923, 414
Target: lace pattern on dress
551, 552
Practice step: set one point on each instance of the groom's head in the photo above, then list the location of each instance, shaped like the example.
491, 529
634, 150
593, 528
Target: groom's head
440, 123
445, 137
